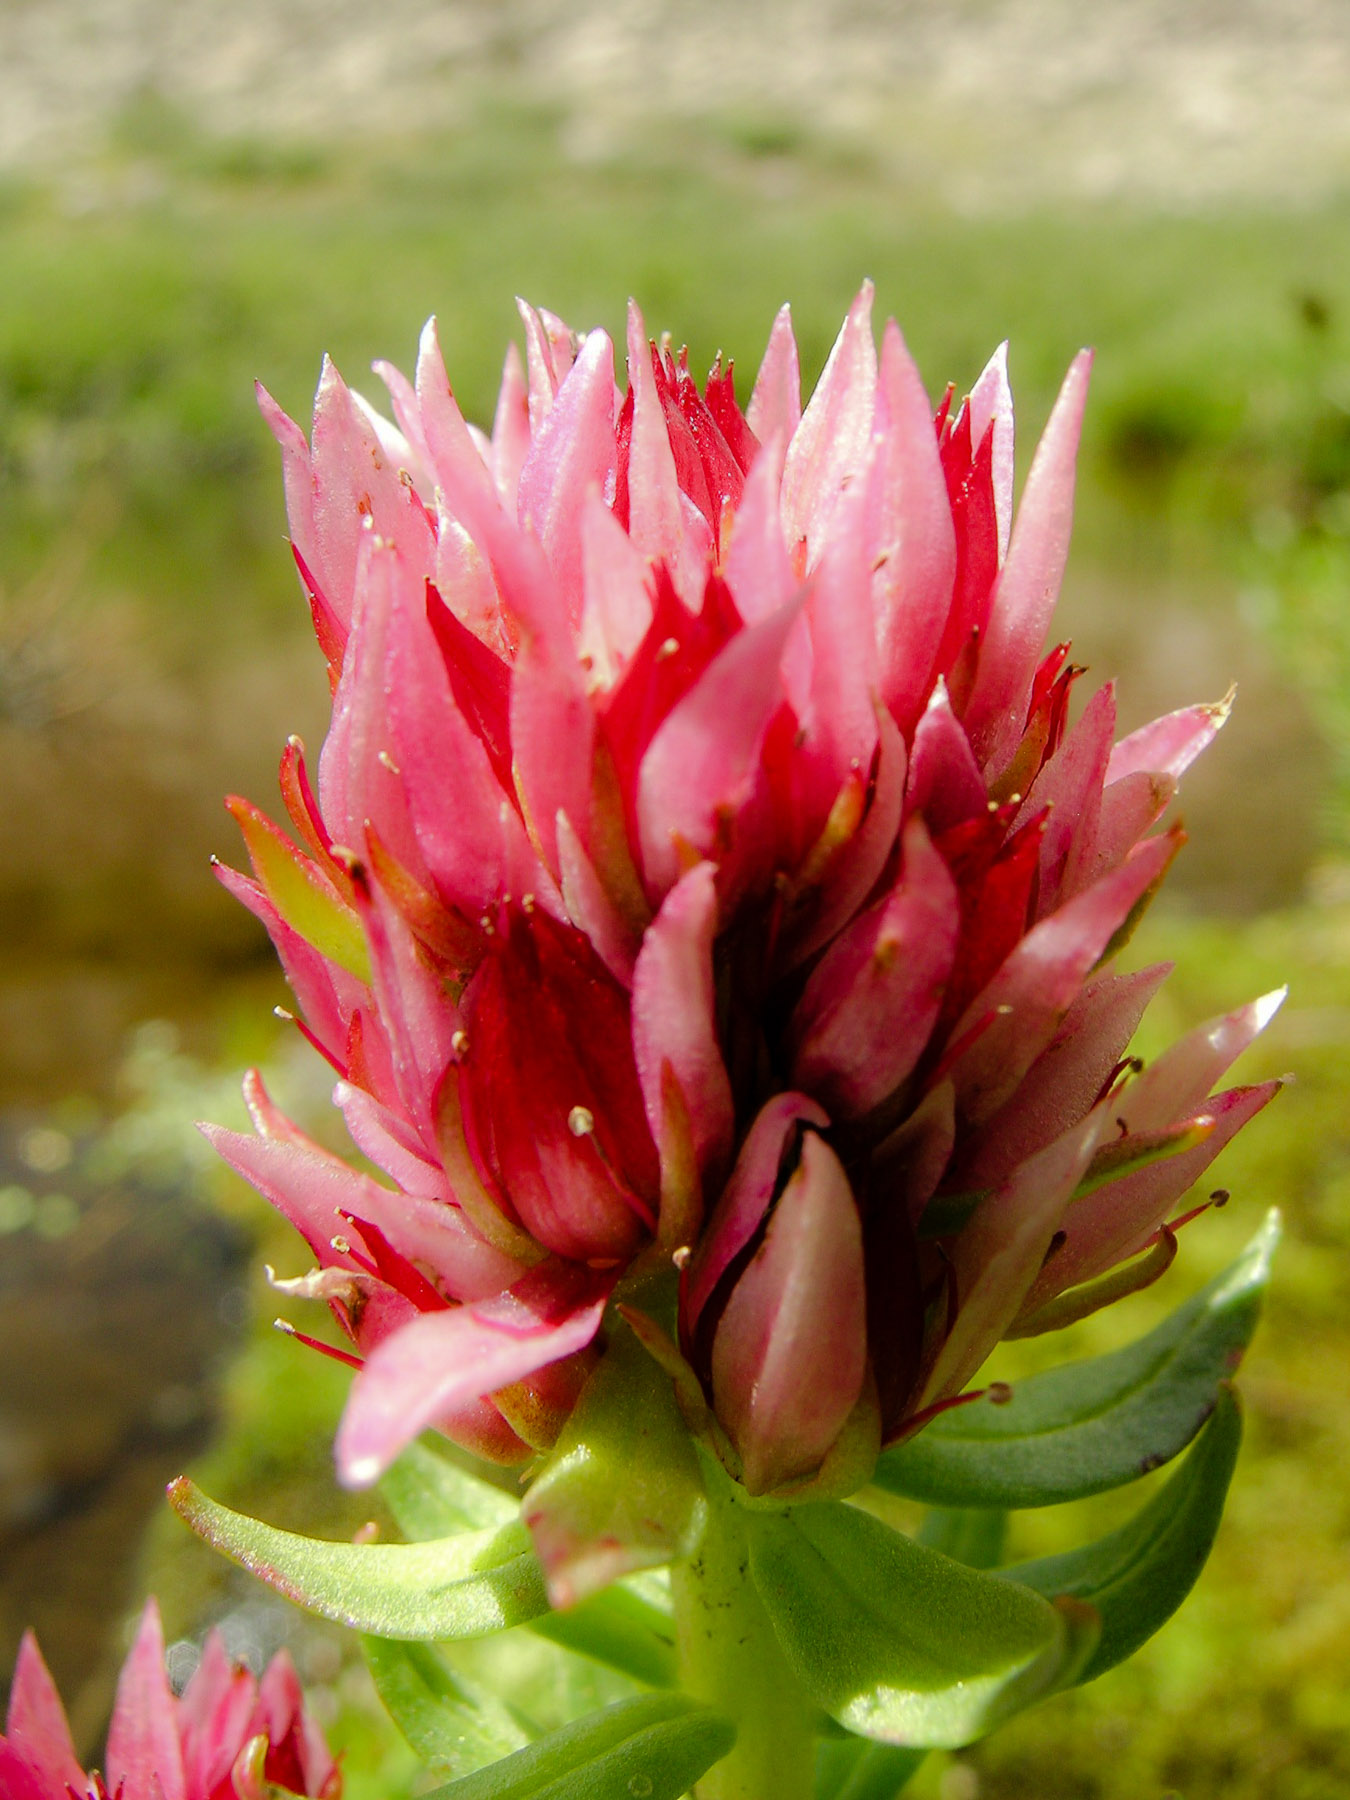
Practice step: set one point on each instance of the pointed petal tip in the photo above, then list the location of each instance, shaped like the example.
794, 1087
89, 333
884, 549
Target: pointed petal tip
359, 1471
1265, 1008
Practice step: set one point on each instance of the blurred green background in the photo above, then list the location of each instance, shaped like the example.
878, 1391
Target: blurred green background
185, 207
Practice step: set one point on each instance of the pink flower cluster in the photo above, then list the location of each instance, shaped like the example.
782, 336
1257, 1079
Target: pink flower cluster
229, 1737
704, 866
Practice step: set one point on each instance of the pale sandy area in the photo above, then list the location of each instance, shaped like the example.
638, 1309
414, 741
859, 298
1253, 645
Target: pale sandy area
985, 102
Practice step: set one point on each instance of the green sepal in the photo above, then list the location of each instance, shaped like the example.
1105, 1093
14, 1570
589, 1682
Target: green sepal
852, 1769
621, 1489
432, 1496
898, 1642
1136, 1578
453, 1726
972, 1535
303, 895
1089, 1426
457, 1587
655, 1746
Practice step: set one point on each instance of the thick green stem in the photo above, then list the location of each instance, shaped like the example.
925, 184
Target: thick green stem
729, 1656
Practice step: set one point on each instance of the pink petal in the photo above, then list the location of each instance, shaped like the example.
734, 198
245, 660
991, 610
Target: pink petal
776, 403
913, 532
746, 1195
590, 907
420, 1016
314, 1189
457, 823
19, 1781
790, 1352
839, 724
1129, 807
944, 782
991, 402
356, 784
298, 480
1041, 979
655, 519
830, 445
674, 1019
755, 562
213, 1718
1168, 746
36, 1725
1176, 1083
444, 1359
572, 456
1028, 584
1000, 1252
1067, 1079
388, 1141
1115, 1222
617, 608
403, 398
143, 1746
553, 740
510, 430
704, 759
853, 872
1070, 784
460, 470
542, 374
872, 1001
354, 482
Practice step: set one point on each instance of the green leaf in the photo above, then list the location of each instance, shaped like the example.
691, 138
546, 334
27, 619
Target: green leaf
618, 1628
1089, 1426
1137, 1577
898, 1642
449, 1723
855, 1770
653, 1747
621, 1490
431, 1496
458, 1587
970, 1534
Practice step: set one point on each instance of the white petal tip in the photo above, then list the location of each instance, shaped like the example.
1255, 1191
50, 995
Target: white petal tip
359, 1471
1265, 1009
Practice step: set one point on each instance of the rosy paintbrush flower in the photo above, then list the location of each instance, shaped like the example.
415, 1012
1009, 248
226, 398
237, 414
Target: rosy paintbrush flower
704, 866
228, 1737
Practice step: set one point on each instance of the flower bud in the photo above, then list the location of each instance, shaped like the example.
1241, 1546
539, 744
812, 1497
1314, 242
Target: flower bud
789, 1355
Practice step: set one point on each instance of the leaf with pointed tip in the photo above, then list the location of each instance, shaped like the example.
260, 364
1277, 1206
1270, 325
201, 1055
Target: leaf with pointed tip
431, 1496
457, 1587
1089, 1426
898, 1642
852, 1769
656, 1745
451, 1725
1136, 1578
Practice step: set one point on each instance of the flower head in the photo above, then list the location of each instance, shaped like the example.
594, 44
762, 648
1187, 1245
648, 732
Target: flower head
704, 866
229, 1737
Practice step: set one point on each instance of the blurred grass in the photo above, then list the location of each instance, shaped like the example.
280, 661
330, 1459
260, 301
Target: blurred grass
143, 292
